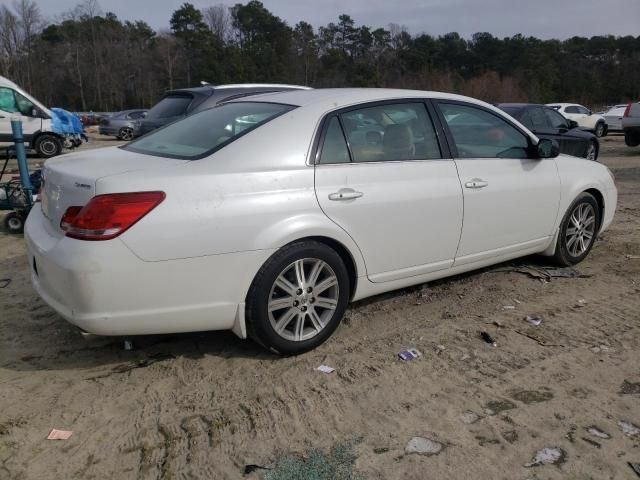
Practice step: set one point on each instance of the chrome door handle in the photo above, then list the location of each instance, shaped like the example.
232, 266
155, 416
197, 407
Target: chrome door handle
476, 183
345, 194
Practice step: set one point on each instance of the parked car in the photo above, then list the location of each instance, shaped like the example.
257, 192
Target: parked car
121, 124
585, 118
90, 119
545, 122
177, 104
267, 215
613, 117
46, 131
631, 124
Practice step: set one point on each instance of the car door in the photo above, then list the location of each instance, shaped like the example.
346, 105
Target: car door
382, 176
13, 104
510, 200
569, 144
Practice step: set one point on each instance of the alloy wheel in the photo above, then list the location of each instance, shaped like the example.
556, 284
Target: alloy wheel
303, 299
126, 134
581, 229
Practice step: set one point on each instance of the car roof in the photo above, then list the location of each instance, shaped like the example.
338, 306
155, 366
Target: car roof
208, 90
565, 105
336, 97
520, 105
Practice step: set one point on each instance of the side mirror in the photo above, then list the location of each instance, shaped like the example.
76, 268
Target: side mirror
572, 124
548, 148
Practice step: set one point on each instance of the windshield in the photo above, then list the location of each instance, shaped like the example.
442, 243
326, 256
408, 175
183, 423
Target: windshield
171, 106
202, 133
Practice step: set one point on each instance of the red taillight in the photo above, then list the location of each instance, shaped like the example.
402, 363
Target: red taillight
627, 110
68, 217
107, 216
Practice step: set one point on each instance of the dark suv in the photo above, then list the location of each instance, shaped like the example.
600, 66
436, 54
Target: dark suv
177, 104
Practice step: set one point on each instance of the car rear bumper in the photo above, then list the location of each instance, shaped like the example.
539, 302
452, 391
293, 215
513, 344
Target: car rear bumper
103, 288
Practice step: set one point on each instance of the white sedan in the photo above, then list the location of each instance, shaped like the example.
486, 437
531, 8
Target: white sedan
267, 215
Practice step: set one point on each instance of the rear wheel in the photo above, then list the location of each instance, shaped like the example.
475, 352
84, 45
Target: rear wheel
578, 230
632, 139
14, 223
48, 146
600, 129
126, 134
298, 298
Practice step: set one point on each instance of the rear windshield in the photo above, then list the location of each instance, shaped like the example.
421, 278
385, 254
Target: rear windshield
171, 106
202, 133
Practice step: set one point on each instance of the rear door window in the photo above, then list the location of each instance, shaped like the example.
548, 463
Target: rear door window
171, 106
334, 146
391, 132
478, 133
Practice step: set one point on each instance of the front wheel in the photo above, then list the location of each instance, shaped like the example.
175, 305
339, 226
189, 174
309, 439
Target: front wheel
48, 146
578, 230
298, 298
600, 130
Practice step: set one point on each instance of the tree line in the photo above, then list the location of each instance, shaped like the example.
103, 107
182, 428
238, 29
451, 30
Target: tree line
91, 60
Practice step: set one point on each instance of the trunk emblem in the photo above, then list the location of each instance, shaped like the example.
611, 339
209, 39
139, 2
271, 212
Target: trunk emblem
82, 185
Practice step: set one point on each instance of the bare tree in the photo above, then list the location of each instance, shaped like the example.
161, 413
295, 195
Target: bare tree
90, 9
218, 19
169, 49
29, 21
9, 39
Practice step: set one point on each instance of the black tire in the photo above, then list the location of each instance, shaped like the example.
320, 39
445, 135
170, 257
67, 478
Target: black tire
48, 146
126, 134
632, 139
601, 129
592, 147
259, 326
563, 256
14, 223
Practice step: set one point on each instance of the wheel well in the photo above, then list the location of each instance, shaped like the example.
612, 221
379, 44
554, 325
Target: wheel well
346, 256
35, 138
600, 199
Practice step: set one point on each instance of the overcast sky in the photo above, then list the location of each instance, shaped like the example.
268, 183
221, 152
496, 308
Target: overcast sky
539, 18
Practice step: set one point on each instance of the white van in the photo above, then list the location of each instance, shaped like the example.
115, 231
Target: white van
36, 121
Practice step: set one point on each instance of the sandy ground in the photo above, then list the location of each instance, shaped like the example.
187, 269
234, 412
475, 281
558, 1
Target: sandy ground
205, 405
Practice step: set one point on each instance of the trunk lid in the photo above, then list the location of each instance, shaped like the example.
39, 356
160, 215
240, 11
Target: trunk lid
70, 180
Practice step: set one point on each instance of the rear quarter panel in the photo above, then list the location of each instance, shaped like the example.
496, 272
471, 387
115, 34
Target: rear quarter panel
257, 193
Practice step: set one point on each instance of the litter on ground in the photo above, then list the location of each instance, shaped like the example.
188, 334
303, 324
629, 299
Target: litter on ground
325, 369
409, 354
59, 434
547, 456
